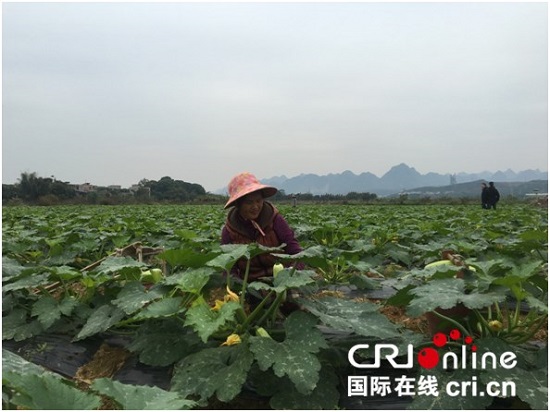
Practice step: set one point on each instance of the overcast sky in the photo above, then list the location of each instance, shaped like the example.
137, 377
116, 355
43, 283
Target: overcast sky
112, 93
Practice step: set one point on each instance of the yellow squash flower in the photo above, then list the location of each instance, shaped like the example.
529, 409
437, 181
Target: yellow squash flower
232, 339
231, 296
218, 305
495, 325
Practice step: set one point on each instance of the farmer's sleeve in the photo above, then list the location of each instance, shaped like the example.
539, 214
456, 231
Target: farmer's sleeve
286, 235
226, 237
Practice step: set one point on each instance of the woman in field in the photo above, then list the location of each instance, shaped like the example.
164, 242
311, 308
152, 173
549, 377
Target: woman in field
253, 219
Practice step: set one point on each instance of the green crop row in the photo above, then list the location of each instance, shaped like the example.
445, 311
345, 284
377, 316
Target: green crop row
155, 274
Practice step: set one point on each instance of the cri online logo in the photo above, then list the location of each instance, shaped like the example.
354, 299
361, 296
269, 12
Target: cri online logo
429, 358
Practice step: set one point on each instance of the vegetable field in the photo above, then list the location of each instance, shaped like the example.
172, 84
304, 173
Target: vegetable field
150, 283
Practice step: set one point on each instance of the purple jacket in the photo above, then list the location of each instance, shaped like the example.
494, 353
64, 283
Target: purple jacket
282, 230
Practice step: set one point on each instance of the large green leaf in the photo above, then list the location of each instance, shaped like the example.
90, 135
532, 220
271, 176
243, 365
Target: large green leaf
191, 280
537, 304
221, 371
286, 279
142, 397
531, 386
15, 326
529, 378
535, 235
363, 282
163, 342
162, 308
285, 396
16, 364
186, 257
402, 297
294, 357
124, 265
65, 272
134, 296
447, 293
48, 310
399, 255
518, 274
100, 320
47, 392
32, 281
486, 273
232, 253
315, 256
206, 321
362, 318
11, 268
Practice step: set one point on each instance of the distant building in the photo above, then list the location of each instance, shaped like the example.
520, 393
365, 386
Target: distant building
144, 191
85, 188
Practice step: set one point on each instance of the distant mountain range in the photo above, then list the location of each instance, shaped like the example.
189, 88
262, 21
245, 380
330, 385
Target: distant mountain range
398, 179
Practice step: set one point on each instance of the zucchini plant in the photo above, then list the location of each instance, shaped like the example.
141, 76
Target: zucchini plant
194, 318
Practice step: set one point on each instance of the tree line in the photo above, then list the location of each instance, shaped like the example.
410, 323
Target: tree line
35, 190
31, 189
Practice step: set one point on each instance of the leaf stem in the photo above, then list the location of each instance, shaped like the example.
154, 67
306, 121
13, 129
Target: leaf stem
255, 313
245, 281
453, 322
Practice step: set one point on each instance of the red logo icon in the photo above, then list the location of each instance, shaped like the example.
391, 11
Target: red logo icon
428, 358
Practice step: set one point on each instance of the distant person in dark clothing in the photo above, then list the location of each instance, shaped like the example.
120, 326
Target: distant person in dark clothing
493, 196
484, 196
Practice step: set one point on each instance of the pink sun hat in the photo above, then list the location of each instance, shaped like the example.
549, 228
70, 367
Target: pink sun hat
244, 184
